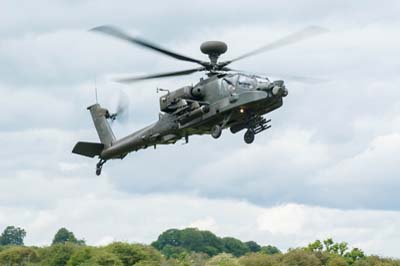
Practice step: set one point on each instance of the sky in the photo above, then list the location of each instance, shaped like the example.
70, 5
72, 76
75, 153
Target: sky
328, 167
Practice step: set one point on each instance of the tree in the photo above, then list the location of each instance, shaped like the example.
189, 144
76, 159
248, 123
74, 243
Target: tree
234, 246
174, 242
253, 246
81, 256
315, 246
336, 260
131, 254
58, 254
300, 257
63, 236
270, 250
354, 255
328, 246
258, 259
328, 243
103, 258
18, 256
12, 236
339, 248
223, 259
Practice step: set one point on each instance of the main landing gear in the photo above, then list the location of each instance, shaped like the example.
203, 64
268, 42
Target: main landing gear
249, 136
99, 166
216, 131
258, 127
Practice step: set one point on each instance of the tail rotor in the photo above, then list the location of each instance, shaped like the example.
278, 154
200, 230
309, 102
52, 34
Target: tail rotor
122, 110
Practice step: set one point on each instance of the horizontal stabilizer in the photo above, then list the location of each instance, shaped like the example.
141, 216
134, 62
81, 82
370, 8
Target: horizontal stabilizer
88, 149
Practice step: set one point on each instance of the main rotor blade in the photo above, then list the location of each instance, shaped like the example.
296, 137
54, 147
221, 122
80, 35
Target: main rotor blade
161, 75
112, 31
287, 40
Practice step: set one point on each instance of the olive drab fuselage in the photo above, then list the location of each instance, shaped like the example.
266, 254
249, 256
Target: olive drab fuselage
227, 100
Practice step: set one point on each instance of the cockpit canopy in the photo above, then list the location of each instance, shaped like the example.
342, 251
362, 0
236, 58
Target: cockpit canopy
246, 82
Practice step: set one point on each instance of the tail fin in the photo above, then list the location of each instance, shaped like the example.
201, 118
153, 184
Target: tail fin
103, 128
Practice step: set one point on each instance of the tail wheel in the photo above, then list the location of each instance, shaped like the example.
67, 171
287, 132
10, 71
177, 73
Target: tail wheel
98, 171
99, 166
249, 136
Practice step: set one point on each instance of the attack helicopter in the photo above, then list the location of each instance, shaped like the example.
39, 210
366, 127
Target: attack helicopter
225, 98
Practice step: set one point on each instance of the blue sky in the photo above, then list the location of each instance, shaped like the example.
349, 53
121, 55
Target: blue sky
328, 167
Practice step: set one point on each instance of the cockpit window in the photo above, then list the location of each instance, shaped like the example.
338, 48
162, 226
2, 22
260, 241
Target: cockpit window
246, 82
262, 83
231, 79
229, 83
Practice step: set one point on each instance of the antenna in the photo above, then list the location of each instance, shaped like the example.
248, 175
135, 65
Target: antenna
95, 89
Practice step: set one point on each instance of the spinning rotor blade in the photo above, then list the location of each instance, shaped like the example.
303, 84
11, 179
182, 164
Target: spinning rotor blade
112, 31
161, 75
289, 39
123, 107
122, 110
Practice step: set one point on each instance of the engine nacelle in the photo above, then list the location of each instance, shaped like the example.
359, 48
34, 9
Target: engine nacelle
170, 101
198, 91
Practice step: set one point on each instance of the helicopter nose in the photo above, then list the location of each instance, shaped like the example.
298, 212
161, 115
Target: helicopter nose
279, 88
285, 91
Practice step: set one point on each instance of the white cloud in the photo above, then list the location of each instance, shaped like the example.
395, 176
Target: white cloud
207, 223
365, 229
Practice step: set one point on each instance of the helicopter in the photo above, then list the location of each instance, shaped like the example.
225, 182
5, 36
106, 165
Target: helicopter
225, 98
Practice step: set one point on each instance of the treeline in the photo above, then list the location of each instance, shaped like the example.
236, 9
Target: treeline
172, 243
187, 247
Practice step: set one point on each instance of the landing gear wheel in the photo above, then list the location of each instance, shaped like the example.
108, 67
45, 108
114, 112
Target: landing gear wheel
99, 166
249, 136
98, 170
216, 131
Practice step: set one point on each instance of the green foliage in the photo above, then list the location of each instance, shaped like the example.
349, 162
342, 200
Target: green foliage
130, 254
223, 259
174, 242
178, 246
188, 259
328, 246
63, 235
354, 255
58, 254
270, 250
103, 258
235, 246
334, 248
253, 246
337, 261
315, 246
12, 236
328, 243
17, 255
376, 261
80, 256
173, 252
258, 259
300, 257
197, 259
